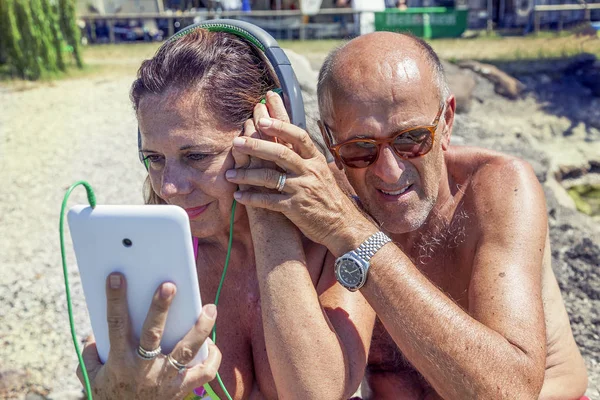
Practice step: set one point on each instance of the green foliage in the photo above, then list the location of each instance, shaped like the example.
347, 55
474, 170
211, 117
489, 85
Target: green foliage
55, 33
12, 38
42, 24
31, 41
32, 37
586, 198
69, 28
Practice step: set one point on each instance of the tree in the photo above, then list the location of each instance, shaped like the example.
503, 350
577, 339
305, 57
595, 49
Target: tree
34, 36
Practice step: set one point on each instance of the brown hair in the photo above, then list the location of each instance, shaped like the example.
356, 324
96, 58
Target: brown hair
230, 75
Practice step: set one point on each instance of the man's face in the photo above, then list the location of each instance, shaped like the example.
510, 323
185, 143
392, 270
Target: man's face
398, 193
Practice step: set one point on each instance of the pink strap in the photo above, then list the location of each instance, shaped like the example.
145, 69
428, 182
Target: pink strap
195, 244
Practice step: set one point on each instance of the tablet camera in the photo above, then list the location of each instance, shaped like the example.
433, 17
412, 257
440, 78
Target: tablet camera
127, 242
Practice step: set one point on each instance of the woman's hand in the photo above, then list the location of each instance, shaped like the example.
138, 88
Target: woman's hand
126, 375
310, 198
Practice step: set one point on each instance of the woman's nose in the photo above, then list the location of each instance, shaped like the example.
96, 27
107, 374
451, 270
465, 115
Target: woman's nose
174, 182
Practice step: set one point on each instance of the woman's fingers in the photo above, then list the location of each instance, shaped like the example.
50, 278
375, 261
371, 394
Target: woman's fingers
154, 325
297, 137
276, 107
264, 177
203, 373
90, 359
117, 315
185, 351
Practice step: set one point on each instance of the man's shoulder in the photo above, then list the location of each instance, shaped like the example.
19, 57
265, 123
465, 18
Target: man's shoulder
486, 168
497, 182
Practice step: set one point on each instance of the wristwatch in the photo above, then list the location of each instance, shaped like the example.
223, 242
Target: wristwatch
351, 268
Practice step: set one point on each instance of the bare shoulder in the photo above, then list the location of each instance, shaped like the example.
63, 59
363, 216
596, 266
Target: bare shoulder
499, 186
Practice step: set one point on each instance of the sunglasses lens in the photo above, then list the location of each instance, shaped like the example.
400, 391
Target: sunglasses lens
358, 154
413, 143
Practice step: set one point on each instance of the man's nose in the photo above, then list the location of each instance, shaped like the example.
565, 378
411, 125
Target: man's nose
174, 182
388, 166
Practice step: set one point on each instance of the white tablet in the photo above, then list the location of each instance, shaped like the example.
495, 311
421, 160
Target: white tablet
149, 245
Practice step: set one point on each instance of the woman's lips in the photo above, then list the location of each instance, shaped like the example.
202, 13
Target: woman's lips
196, 211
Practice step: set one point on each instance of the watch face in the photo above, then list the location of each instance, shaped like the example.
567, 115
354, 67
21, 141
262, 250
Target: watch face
350, 273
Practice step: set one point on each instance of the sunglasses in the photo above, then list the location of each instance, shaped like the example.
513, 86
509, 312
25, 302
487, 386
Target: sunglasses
362, 152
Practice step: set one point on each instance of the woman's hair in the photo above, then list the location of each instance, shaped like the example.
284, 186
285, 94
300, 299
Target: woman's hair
229, 75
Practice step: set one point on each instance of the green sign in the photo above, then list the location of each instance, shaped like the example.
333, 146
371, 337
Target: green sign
427, 22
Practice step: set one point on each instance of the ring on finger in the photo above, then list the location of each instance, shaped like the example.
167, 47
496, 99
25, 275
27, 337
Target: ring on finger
148, 354
281, 182
176, 364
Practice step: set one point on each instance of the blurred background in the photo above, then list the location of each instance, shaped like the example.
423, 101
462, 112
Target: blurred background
525, 73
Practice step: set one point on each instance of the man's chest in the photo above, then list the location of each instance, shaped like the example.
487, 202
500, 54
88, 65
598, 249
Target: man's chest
449, 269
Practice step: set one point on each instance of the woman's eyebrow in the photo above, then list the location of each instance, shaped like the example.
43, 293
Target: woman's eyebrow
190, 146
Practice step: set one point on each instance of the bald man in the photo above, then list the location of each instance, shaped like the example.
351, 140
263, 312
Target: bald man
453, 253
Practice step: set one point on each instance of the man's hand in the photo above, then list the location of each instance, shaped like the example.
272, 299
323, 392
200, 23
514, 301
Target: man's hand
311, 198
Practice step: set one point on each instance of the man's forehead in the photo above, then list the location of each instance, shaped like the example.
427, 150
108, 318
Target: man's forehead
392, 77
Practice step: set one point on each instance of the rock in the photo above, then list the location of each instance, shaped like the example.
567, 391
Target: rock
461, 84
67, 395
590, 78
561, 195
307, 77
504, 84
12, 381
34, 396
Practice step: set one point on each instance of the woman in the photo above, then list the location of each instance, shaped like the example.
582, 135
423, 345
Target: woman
286, 328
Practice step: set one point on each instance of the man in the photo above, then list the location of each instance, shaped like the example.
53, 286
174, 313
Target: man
467, 301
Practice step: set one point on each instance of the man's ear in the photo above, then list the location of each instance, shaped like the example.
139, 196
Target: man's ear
448, 120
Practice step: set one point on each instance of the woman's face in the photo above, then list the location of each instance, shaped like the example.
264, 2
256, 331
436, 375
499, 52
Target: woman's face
188, 154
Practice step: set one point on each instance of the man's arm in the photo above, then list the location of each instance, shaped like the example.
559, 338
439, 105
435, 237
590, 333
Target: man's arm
495, 349
317, 345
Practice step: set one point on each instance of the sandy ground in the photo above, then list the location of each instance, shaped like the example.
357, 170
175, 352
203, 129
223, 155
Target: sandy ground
51, 136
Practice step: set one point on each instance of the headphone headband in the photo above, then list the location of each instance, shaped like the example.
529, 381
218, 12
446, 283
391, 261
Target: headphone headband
259, 38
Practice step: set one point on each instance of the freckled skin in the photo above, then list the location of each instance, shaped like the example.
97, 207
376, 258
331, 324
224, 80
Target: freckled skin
473, 280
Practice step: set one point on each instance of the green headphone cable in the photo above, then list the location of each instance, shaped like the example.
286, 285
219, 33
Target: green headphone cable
214, 332
92, 200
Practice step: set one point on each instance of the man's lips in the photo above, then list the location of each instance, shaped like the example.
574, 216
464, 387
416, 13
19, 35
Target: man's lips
196, 211
395, 192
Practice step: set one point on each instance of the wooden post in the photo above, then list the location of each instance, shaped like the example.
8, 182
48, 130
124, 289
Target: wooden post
171, 26
111, 30
93, 30
561, 21
536, 16
490, 16
588, 14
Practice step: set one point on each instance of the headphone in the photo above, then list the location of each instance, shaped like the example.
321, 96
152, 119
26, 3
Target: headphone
263, 41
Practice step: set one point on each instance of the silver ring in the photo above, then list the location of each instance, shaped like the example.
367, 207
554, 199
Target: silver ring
281, 182
176, 364
148, 355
